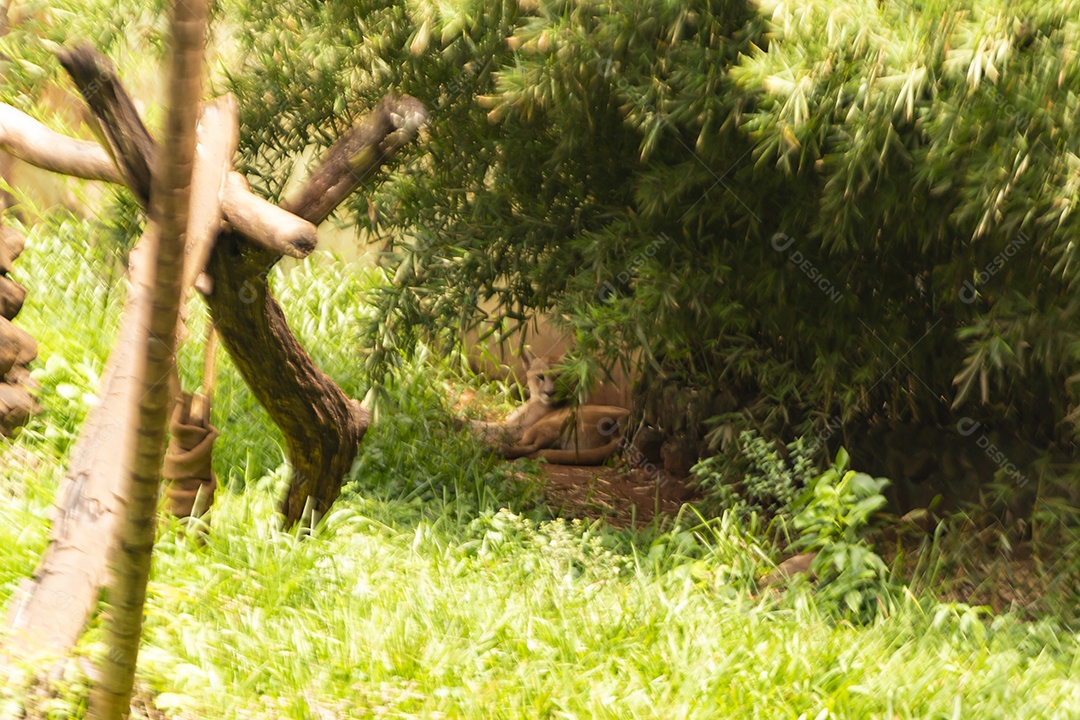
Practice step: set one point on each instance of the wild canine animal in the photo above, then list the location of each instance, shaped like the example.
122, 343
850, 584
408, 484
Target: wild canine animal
585, 435
542, 401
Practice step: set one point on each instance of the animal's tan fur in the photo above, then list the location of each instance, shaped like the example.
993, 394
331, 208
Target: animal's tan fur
585, 435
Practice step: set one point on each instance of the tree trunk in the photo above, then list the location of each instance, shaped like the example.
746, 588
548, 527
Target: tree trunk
111, 696
322, 426
49, 611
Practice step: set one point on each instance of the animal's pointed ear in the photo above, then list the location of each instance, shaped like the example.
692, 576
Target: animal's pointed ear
529, 355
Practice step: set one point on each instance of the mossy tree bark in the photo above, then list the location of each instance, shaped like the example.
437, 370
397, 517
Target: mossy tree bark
170, 192
322, 426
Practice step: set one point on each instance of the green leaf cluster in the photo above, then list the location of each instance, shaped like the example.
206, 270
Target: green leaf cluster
854, 213
835, 516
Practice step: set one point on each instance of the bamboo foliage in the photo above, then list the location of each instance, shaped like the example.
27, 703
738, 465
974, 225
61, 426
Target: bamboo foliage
904, 147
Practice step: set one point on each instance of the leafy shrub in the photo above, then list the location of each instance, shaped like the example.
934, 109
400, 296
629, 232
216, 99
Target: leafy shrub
771, 480
835, 515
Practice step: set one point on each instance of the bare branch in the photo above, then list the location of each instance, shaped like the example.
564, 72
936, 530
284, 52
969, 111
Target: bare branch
128, 139
357, 155
30, 141
277, 230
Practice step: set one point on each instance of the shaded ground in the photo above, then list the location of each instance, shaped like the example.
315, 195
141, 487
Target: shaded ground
980, 566
621, 499
971, 567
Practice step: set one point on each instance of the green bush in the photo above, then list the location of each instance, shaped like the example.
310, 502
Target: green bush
834, 517
771, 480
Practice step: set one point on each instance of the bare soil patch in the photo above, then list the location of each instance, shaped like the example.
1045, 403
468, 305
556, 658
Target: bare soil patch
623, 499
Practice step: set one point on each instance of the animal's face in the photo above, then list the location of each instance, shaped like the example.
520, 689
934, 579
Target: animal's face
541, 378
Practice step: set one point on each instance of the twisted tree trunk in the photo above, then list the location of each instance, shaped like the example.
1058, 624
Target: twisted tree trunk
322, 426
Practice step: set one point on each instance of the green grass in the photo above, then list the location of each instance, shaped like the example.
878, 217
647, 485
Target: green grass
439, 586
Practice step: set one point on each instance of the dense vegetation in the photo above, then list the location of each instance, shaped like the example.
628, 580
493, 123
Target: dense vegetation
838, 224
442, 585
846, 219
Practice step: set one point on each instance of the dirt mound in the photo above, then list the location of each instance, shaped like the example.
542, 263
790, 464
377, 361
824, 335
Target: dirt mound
619, 498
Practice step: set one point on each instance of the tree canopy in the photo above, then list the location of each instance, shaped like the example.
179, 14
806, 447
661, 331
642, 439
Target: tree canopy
833, 217
840, 213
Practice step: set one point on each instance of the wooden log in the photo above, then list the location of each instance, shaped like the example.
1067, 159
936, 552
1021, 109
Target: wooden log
110, 695
20, 389
134, 151
12, 295
33, 143
20, 375
12, 346
17, 347
218, 136
16, 406
277, 230
12, 243
125, 136
357, 155
322, 426
28, 347
49, 610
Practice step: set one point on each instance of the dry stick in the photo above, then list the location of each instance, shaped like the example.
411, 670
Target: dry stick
111, 695
322, 426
